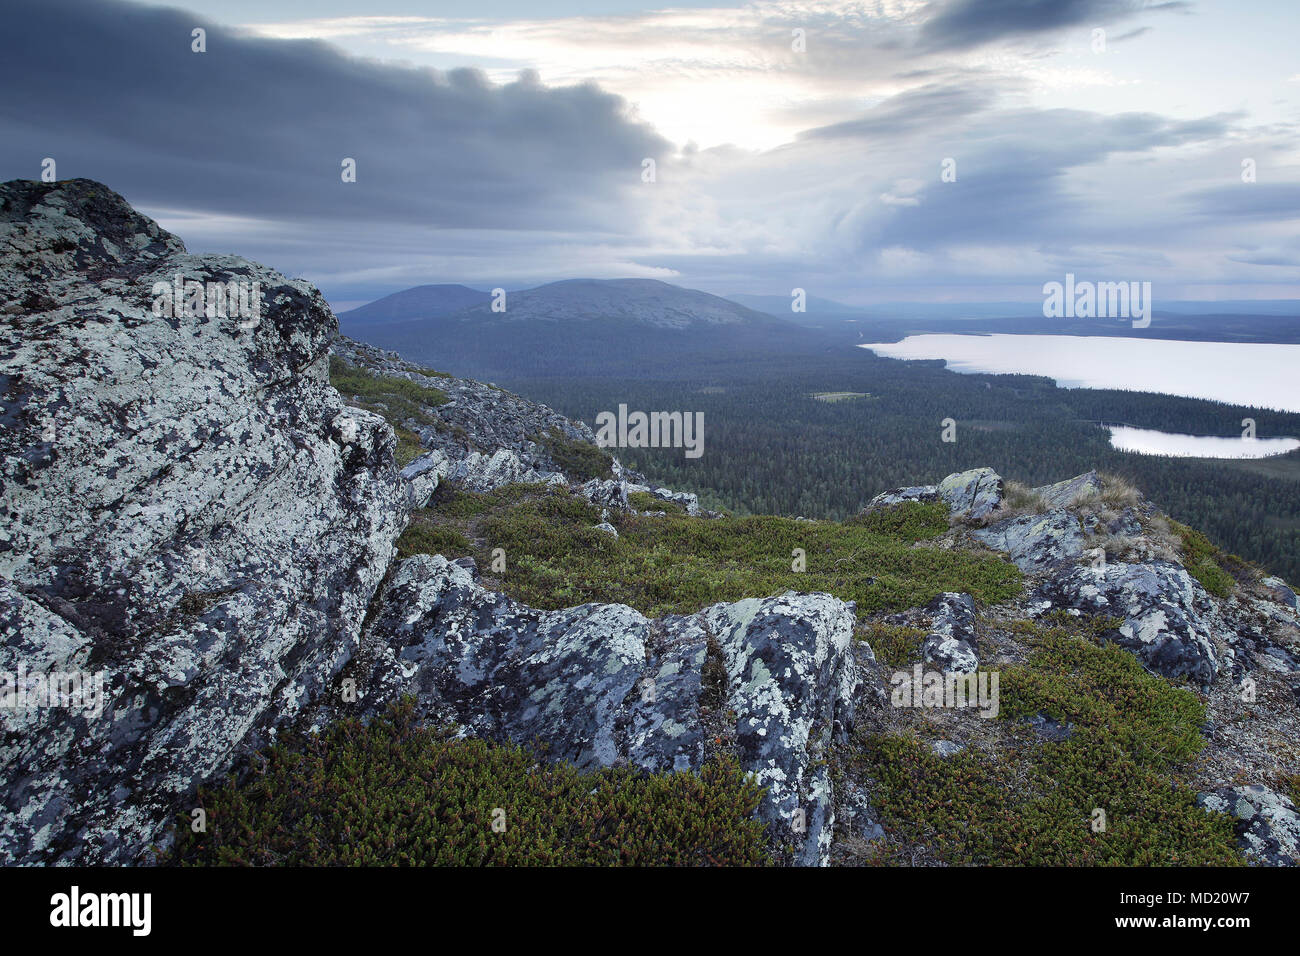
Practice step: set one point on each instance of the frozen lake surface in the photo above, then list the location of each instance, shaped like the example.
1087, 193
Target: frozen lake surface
1260, 375
1257, 375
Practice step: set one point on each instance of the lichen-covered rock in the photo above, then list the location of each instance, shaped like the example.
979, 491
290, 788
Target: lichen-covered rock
190, 512
951, 645
423, 476
897, 496
479, 421
689, 502
1036, 543
1282, 592
972, 495
1267, 823
477, 471
1169, 621
601, 684
607, 493
1062, 494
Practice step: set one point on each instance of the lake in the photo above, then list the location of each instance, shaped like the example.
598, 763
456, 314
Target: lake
1263, 376
1144, 441
1256, 375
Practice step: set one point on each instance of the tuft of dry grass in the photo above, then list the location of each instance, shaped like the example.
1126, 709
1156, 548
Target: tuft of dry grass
1019, 499
1117, 493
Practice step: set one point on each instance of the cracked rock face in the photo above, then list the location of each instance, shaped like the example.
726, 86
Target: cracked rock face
1267, 823
1036, 543
1169, 621
951, 644
602, 685
189, 512
1062, 494
973, 494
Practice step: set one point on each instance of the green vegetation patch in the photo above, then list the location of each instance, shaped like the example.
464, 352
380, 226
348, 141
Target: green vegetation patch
423, 537
399, 400
895, 645
426, 372
1204, 560
409, 446
1034, 803
556, 558
645, 501
394, 793
578, 459
907, 521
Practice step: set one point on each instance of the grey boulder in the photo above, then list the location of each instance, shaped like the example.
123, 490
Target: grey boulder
1168, 619
1266, 822
601, 684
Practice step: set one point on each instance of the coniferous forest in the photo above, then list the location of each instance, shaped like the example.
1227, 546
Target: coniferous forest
772, 447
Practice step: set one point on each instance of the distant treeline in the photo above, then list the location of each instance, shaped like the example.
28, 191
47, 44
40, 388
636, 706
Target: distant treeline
770, 448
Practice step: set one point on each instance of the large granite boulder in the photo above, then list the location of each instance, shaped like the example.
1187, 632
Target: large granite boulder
972, 495
1168, 619
1036, 543
601, 684
193, 521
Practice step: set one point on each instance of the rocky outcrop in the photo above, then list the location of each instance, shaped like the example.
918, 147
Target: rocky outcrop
1036, 543
972, 495
951, 645
196, 526
601, 684
1266, 822
1281, 592
1169, 620
190, 514
1065, 493
897, 496
498, 437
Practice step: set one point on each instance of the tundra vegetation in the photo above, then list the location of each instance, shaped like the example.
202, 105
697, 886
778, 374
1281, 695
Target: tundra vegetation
1016, 799
674, 564
396, 793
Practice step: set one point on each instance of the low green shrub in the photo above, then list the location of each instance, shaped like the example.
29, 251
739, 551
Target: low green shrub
577, 459
394, 793
1202, 560
421, 537
1034, 803
677, 564
399, 400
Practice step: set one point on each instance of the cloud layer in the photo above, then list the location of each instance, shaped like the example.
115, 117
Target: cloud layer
820, 167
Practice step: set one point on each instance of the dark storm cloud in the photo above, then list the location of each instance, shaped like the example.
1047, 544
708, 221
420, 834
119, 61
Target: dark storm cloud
259, 127
1011, 175
960, 24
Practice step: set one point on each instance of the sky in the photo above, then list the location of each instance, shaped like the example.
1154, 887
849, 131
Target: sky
892, 150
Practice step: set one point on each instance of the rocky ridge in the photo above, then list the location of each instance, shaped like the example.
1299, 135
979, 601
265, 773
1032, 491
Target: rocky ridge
192, 511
